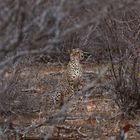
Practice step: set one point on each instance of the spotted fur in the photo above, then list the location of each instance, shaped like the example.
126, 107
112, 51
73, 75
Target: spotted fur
72, 80
73, 76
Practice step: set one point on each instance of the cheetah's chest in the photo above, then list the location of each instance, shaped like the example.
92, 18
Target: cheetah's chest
74, 71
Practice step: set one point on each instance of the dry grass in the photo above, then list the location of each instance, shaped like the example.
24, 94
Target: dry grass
35, 37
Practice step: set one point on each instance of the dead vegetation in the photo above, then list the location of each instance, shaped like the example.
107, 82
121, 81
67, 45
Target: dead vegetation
35, 37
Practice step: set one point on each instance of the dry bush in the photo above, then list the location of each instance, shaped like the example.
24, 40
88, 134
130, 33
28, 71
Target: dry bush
120, 33
43, 31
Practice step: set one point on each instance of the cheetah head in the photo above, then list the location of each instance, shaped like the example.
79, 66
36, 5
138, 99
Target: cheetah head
76, 54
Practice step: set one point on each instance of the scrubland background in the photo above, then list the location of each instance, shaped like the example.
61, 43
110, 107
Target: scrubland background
35, 36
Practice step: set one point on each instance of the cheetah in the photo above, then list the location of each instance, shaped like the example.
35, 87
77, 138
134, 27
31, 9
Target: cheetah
74, 71
73, 77
72, 80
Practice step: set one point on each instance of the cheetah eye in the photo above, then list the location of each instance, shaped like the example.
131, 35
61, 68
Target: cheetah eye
82, 56
73, 76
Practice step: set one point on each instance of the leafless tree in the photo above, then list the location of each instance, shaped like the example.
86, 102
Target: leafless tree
44, 30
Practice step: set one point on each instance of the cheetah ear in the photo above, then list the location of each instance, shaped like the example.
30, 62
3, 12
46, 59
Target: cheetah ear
69, 51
